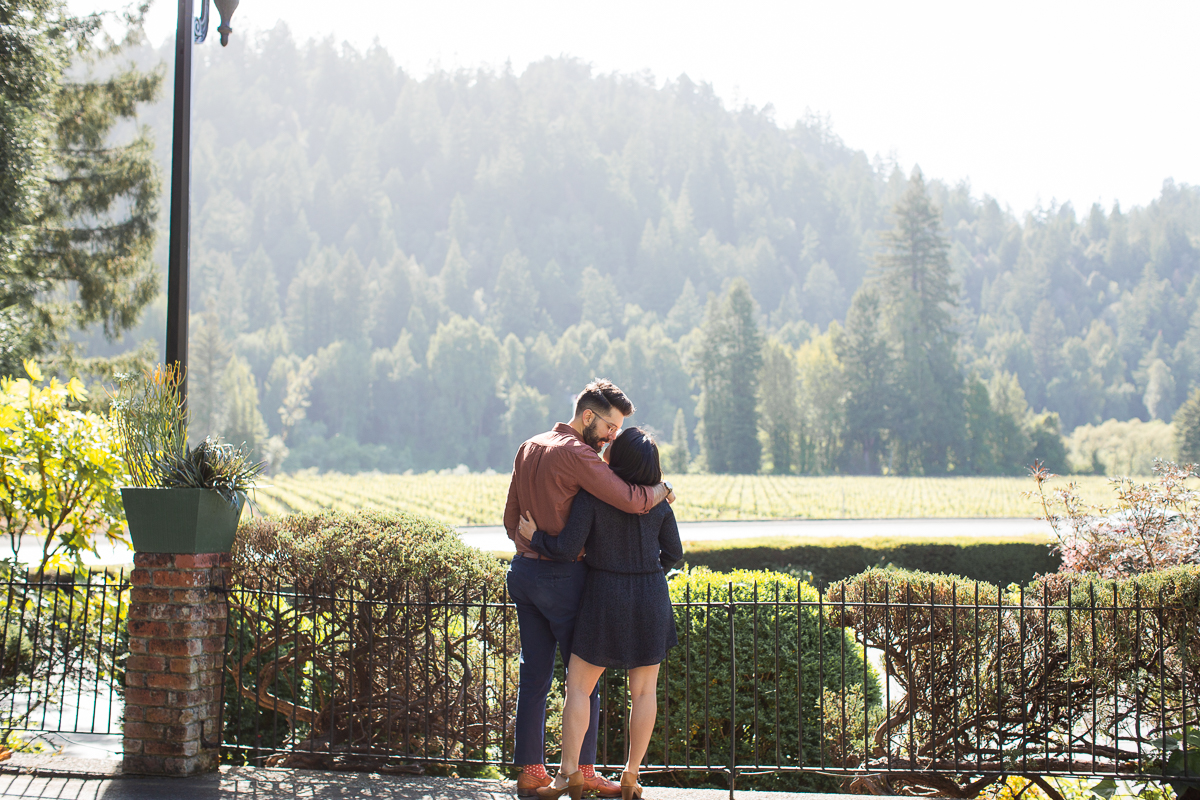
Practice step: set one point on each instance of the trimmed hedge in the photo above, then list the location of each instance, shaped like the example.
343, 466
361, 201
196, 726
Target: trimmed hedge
1048, 671
1014, 560
785, 661
329, 613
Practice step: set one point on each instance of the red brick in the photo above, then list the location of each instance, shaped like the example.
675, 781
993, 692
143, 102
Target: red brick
213, 611
177, 647
147, 594
188, 666
189, 630
136, 714
182, 733
188, 748
213, 644
145, 697
136, 764
190, 612
171, 578
153, 559
202, 560
143, 730
135, 680
192, 597
145, 664
141, 577
131, 747
148, 629
172, 681
196, 697
172, 716
137, 646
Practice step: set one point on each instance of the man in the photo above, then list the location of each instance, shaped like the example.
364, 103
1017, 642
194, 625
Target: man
548, 472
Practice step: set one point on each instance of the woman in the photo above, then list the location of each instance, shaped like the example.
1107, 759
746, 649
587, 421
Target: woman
625, 619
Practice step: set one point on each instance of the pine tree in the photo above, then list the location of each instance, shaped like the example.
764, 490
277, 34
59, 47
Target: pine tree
1187, 429
729, 359
243, 424
77, 212
455, 279
914, 278
514, 305
778, 412
681, 454
209, 359
261, 289
869, 365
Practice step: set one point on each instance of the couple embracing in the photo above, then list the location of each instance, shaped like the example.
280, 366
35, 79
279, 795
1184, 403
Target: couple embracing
594, 539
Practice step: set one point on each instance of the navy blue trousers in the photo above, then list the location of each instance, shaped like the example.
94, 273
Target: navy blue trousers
547, 595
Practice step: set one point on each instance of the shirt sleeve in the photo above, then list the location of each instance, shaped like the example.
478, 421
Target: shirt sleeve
595, 477
512, 508
670, 549
569, 543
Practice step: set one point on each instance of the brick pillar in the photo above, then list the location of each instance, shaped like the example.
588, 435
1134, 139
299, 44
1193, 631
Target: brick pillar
173, 678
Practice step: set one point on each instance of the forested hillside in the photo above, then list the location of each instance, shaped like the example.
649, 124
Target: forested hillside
400, 273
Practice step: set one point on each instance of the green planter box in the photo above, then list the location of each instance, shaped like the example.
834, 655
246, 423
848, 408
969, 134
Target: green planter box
180, 520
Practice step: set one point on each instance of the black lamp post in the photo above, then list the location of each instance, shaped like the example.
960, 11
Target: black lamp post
189, 30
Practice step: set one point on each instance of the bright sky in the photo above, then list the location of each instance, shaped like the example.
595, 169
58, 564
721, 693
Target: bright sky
1029, 101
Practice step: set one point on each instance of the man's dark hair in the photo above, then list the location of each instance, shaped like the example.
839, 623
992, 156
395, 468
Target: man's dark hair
601, 396
633, 456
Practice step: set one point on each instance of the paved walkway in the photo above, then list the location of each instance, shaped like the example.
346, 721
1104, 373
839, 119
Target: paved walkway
248, 783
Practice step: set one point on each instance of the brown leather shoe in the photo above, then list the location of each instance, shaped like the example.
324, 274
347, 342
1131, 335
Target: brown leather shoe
601, 786
527, 785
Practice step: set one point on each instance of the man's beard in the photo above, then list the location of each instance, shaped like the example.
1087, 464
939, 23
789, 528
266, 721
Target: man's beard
591, 438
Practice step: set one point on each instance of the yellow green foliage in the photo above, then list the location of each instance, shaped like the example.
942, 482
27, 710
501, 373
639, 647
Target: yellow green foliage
61, 469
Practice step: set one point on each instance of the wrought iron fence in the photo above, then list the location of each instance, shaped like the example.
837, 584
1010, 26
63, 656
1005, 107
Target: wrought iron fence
64, 644
951, 692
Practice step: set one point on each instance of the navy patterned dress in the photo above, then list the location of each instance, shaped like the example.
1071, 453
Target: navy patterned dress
625, 619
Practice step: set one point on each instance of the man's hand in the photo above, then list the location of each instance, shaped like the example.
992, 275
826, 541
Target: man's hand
526, 528
663, 492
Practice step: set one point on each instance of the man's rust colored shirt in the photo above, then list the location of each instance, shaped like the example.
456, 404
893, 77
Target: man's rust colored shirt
549, 471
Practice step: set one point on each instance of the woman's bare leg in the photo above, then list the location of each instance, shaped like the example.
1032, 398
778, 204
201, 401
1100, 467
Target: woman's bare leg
643, 685
577, 711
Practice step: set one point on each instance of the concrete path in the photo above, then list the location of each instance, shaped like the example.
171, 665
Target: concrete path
493, 538
236, 783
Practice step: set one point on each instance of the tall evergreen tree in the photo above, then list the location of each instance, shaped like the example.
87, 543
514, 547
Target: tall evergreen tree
77, 210
914, 277
778, 413
1187, 429
244, 424
208, 361
681, 453
869, 362
729, 359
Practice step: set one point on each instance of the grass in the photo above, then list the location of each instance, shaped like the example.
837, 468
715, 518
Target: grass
479, 499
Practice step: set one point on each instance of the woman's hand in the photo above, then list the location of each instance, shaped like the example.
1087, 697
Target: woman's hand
525, 528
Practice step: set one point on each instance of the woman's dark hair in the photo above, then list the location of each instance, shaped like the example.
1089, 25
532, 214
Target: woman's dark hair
633, 455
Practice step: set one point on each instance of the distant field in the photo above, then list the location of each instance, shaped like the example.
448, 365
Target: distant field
479, 499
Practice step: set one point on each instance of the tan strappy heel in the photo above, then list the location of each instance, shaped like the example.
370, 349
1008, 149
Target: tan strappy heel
573, 789
630, 788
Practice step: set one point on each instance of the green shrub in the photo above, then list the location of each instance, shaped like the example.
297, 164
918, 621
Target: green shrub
361, 636
1023, 680
777, 712
1015, 560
